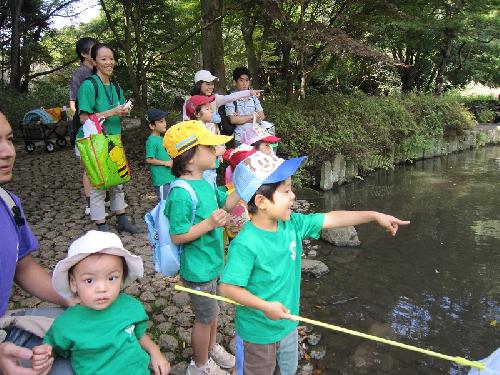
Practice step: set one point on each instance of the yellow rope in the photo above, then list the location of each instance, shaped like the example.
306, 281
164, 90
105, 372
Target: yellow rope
459, 360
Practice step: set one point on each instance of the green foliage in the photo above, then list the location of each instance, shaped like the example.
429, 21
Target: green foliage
365, 128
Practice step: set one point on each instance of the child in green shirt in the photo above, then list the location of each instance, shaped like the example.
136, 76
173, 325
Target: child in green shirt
106, 332
192, 148
160, 163
263, 269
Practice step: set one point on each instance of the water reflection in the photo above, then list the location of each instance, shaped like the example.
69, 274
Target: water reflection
436, 285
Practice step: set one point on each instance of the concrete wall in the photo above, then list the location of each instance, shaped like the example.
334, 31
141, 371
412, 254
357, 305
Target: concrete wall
338, 170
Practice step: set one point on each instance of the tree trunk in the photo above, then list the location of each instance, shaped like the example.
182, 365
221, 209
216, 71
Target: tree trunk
445, 55
212, 46
15, 45
127, 49
247, 29
286, 72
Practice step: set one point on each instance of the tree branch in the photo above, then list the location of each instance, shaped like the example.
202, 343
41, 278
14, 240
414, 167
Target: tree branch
31, 76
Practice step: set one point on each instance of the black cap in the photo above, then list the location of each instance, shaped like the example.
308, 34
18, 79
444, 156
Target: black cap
155, 114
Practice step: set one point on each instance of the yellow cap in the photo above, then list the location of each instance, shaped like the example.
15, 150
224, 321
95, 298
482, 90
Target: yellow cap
187, 134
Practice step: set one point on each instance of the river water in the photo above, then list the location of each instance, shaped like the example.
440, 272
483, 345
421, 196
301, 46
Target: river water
436, 285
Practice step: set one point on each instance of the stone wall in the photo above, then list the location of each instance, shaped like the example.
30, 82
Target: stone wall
338, 170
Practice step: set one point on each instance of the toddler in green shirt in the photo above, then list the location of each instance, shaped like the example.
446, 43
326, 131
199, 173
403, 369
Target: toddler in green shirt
106, 332
263, 269
192, 148
160, 164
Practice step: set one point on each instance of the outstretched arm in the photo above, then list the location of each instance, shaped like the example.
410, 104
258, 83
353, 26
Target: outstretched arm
273, 310
338, 219
159, 364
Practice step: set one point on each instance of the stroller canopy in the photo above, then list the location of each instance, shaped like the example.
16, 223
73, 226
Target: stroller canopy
37, 114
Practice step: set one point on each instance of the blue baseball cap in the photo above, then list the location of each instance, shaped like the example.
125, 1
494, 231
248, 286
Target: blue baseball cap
258, 169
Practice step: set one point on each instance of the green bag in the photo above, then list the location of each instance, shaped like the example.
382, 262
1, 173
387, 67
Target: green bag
103, 158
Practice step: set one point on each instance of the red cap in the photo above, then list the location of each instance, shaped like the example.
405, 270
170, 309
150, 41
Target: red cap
238, 154
195, 101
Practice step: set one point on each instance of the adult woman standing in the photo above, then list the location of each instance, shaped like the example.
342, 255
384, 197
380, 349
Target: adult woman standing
104, 98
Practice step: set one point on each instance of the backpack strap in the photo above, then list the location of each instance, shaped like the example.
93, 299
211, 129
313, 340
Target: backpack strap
184, 185
96, 88
14, 210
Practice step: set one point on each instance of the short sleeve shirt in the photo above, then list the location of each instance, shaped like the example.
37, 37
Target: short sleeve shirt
268, 265
244, 107
17, 242
79, 75
160, 174
202, 260
102, 341
107, 98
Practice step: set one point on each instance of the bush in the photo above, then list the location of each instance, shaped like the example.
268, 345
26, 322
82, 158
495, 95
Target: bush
361, 126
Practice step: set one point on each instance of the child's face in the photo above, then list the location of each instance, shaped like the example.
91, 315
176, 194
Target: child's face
205, 114
207, 88
97, 280
204, 158
242, 83
159, 126
281, 206
266, 148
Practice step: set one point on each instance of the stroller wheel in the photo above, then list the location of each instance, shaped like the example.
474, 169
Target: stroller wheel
61, 142
49, 146
29, 146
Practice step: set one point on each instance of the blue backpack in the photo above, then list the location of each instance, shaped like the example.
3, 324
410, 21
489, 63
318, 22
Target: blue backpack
166, 254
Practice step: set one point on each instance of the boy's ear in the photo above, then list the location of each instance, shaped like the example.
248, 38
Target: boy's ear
72, 284
261, 201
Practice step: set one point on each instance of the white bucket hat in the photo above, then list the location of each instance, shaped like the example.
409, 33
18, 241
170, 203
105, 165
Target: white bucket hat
90, 243
205, 76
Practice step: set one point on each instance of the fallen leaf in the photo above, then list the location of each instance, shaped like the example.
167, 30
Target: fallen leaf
493, 323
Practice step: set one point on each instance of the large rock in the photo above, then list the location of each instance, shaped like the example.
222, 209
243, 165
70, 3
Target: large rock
333, 172
314, 267
346, 236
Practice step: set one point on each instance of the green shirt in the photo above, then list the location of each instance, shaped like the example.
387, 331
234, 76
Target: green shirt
202, 260
107, 98
160, 175
267, 264
102, 341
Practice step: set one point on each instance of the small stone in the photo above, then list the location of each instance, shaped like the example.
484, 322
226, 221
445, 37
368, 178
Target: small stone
313, 339
187, 353
147, 296
180, 299
159, 318
179, 369
165, 326
314, 267
132, 290
184, 320
170, 311
318, 353
312, 253
185, 334
307, 369
168, 343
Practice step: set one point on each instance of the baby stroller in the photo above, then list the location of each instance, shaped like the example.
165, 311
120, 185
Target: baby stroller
44, 125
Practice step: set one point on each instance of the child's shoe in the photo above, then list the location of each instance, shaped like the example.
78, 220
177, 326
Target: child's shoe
209, 368
87, 210
125, 226
222, 357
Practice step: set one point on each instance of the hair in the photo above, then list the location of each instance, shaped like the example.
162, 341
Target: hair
197, 111
84, 45
124, 263
266, 190
95, 48
239, 71
196, 90
257, 144
180, 163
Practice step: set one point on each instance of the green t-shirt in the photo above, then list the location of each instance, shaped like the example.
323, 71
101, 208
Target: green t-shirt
160, 175
267, 264
107, 98
202, 260
102, 341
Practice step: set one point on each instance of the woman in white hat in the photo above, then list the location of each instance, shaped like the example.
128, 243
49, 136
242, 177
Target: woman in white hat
106, 332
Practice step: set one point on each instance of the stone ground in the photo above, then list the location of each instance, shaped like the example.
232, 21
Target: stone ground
49, 185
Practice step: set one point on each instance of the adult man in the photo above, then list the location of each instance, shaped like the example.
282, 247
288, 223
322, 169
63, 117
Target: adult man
16, 264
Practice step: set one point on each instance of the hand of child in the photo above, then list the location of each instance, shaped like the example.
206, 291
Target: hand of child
42, 359
390, 223
218, 218
159, 364
276, 311
121, 111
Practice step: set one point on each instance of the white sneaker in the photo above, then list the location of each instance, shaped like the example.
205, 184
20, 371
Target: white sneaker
222, 357
209, 368
87, 210
107, 204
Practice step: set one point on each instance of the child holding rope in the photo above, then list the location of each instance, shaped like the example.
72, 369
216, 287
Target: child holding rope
263, 269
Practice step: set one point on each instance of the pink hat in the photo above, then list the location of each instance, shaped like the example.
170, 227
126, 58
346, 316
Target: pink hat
256, 133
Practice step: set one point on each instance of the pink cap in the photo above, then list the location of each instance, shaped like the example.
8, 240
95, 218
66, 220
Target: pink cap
254, 134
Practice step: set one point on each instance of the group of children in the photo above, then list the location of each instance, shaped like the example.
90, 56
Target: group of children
105, 332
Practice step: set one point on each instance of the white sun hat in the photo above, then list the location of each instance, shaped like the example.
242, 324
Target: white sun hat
90, 243
205, 76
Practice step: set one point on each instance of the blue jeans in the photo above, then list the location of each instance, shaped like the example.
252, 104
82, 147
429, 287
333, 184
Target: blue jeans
28, 340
